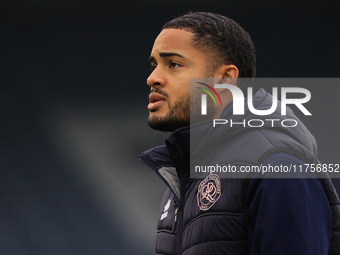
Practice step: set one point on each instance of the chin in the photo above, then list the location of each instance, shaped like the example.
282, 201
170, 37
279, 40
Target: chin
166, 123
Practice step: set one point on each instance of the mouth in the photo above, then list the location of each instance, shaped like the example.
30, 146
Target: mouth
155, 100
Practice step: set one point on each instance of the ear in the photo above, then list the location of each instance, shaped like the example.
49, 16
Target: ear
227, 74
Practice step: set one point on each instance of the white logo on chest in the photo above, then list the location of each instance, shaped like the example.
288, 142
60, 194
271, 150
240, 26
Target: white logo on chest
165, 211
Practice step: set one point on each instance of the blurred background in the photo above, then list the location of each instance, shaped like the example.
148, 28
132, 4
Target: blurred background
73, 112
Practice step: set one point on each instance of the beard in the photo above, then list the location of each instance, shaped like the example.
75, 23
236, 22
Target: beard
185, 111
178, 116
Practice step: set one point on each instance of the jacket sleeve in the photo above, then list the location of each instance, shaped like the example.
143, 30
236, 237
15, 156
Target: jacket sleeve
288, 216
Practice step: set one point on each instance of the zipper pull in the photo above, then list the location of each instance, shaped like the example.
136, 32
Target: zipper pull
175, 222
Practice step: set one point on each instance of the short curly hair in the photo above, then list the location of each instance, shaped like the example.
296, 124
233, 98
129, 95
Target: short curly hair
225, 41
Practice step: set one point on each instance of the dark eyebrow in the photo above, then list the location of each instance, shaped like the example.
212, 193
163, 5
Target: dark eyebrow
166, 54
169, 54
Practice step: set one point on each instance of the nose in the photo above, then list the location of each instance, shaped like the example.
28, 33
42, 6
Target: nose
156, 78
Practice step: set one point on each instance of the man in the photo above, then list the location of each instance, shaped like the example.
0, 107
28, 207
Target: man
229, 215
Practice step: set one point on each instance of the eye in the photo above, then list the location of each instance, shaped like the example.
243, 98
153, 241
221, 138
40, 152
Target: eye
153, 66
174, 65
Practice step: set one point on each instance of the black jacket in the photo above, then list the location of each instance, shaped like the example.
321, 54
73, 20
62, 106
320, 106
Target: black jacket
194, 222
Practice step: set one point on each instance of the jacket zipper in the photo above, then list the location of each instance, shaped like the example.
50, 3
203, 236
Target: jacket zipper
175, 222
180, 217
179, 233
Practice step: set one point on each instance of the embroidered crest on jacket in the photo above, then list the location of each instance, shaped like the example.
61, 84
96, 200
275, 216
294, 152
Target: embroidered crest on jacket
209, 191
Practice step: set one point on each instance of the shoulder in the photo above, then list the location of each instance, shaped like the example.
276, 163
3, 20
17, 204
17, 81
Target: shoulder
285, 210
295, 182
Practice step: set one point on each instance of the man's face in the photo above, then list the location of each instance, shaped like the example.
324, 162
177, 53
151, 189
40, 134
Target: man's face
174, 60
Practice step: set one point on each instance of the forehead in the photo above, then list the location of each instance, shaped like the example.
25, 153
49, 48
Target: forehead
170, 40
